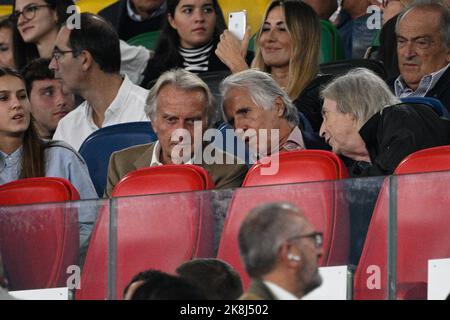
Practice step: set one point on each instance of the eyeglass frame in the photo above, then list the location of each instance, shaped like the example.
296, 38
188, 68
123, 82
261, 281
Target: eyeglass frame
30, 8
316, 236
58, 53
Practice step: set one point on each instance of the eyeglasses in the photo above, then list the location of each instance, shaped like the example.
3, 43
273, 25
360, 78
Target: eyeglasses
57, 54
29, 12
316, 236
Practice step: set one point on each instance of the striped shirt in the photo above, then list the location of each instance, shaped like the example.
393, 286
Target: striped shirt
197, 59
426, 84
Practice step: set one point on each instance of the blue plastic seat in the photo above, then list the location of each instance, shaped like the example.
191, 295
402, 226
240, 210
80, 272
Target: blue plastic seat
98, 147
431, 102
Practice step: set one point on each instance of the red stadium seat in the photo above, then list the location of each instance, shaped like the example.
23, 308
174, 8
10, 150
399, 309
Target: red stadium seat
426, 160
38, 243
158, 232
422, 220
323, 203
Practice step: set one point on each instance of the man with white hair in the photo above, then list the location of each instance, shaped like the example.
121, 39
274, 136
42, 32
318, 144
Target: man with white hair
176, 104
262, 114
365, 122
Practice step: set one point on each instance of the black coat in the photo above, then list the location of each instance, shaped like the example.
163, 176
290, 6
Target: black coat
396, 132
127, 28
309, 102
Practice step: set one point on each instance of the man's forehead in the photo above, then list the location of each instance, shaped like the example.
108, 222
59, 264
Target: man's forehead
424, 21
62, 40
170, 95
46, 83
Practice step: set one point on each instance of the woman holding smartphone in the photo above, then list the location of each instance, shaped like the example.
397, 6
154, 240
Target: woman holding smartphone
188, 39
288, 47
37, 23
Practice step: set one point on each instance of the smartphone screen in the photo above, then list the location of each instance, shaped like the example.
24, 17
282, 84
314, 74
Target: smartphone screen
237, 23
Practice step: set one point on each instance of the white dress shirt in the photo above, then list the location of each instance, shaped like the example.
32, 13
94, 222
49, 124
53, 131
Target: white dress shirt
157, 152
278, 292
127, 106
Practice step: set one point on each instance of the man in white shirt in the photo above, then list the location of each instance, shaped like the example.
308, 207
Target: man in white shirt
87, 60
280, 251
423, 49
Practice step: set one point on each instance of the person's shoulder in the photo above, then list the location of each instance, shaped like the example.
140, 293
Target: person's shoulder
56, 149
79, 113
132, 153
223, 158
110, 11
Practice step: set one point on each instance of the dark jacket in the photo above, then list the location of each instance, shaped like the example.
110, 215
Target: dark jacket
309, 102
258, 291
127, 28
441, 90
387, 52
156, 67
396, 132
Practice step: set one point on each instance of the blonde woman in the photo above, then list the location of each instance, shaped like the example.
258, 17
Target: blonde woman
288, 47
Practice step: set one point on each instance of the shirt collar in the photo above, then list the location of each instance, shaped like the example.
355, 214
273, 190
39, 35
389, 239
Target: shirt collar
136, 17
426, 84
155, 161
294, 141
116, 105
278, 292
8, 160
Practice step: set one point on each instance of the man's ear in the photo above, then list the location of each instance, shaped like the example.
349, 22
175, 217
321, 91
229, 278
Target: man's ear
448, 54
289, 255
279, 106
86, 60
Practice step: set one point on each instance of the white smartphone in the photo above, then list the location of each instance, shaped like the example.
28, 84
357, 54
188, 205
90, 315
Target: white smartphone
237, 23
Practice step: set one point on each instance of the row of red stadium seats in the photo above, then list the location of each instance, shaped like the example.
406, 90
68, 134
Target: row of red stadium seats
153, 232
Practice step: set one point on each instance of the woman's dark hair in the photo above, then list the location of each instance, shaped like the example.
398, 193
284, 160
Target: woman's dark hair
166, 52
25, 52
5, 22
33, 164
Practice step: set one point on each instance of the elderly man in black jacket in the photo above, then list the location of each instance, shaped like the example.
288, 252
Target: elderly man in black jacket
364, 122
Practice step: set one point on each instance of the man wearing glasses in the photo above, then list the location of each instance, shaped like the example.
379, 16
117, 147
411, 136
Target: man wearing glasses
423, 48
281, 252
87, 60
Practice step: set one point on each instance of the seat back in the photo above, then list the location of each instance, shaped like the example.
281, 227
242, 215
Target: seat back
431, 102
323, 203
337, 45
338, 68
326, 44
158, 232
148, 40
422, 219
426, 160
39, 243
98, 147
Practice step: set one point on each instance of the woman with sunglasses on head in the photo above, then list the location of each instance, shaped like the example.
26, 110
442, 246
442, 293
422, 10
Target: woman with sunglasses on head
24, 155
288, 47
37, 23
188, 39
